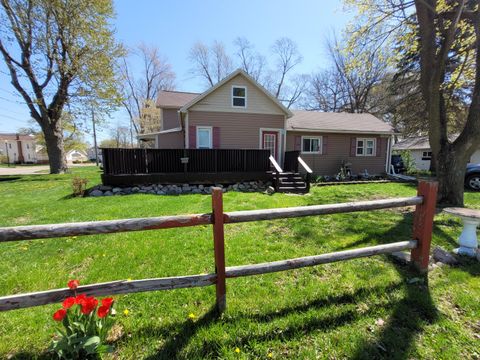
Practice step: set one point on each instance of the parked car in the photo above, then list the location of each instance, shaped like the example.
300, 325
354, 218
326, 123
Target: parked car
472, 177
397, 163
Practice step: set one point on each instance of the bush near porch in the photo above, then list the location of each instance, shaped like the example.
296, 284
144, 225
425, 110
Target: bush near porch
365, 308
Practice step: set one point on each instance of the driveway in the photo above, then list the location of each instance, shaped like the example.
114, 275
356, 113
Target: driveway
31, 170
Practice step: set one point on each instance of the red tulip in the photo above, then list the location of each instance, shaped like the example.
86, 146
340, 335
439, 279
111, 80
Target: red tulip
89, 305
73, 284
68, 302
107, 302
103, 311
59, 315
80, 299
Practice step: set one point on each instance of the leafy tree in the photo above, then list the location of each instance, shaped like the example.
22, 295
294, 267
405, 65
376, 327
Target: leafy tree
60, 52
441, 40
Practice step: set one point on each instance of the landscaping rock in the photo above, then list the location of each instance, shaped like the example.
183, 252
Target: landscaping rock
135, 189
96, 193
270, 190
107, 193
104, 188
116, 190
443, 256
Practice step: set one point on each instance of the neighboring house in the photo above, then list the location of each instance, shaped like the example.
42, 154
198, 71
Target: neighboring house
91, 153
41, 154
238, 113
419, 148
75, 156
20, 149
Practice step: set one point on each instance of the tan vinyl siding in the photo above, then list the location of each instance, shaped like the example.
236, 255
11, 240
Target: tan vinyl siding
338, 150
221, 99
237, 131
174, 140
170, 119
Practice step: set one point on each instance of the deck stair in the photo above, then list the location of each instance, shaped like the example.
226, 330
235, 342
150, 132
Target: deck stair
291, 182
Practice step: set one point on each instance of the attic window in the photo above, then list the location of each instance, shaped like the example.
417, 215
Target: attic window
239, 96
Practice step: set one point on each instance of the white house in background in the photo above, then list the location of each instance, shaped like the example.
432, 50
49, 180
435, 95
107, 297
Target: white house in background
18, 148
421, 152
76, 156
41, 153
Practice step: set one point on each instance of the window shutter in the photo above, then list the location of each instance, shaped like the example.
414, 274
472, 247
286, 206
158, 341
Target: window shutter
379, 146
298, 143
324, 145
216, 137
192, 137
353, 146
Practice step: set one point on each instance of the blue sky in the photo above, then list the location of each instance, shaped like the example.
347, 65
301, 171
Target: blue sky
174, 26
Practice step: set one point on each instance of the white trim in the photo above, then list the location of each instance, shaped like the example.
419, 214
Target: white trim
342, 131
287, 112
210, 129
320, 145
239, 97
187, 132
389, 155
279, 142
365, 140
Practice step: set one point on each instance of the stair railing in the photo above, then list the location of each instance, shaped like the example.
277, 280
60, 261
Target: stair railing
278, 171
308, 177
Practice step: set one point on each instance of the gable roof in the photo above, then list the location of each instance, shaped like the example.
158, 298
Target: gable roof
194, 101
14, 136
174, 99
303, 120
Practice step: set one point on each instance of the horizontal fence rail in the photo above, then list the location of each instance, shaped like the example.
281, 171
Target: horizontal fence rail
419, 245
165, 222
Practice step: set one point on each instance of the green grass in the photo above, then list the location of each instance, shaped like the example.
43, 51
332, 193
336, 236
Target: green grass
327, 312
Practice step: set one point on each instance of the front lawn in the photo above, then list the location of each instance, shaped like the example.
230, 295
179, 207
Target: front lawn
365, 308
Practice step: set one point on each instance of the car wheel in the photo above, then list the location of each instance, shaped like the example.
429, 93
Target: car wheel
473, 182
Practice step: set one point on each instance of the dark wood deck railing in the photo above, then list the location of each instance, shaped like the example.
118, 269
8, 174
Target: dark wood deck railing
154, 161
419, 245
291, 161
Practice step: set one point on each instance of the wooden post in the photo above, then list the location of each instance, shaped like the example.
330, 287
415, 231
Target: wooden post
219, 247
423, 224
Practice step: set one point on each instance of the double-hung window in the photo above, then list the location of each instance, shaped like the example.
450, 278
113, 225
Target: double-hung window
366, 146
427, 155
204, 137
239, 96
312, 145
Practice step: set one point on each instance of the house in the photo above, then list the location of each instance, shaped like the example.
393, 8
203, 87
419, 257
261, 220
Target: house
419, 148
19, 149
238, 113
76, 156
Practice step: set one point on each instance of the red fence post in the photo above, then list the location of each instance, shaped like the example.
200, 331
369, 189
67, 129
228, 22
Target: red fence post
423, 224
219, 247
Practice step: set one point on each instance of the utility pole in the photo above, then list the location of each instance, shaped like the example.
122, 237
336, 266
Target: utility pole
94, 138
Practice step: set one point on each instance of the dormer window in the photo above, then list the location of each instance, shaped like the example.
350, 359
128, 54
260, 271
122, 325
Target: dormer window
239, 96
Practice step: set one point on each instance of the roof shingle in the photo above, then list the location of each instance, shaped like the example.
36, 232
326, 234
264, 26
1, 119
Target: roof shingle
174, 98
337, 122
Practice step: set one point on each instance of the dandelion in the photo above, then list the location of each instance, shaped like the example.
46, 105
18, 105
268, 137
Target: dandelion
126, 312
129, 279
104, 255
192, 316
270, 355
237, 350
25, 248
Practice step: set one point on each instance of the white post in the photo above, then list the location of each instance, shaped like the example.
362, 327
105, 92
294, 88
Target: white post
468, 238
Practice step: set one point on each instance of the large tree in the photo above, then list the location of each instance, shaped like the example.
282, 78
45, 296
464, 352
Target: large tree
59, 52
442, 41
140, 88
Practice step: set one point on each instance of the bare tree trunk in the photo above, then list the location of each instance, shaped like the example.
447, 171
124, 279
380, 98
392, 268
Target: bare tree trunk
55, 149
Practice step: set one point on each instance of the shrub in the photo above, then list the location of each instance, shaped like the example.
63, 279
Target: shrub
3, 159
408, 161
79, 186
85, 326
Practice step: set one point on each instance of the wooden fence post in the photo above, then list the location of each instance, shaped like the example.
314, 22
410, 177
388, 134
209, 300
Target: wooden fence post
219, 247
423, 224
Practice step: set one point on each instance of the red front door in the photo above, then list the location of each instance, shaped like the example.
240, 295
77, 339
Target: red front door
270, 142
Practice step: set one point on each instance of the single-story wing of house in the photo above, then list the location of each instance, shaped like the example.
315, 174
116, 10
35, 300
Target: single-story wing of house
419, 148
238, 113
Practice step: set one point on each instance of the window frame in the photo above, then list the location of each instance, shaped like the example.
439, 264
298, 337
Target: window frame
320, 144
210, 130
364, 147
426, 157
239, 97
